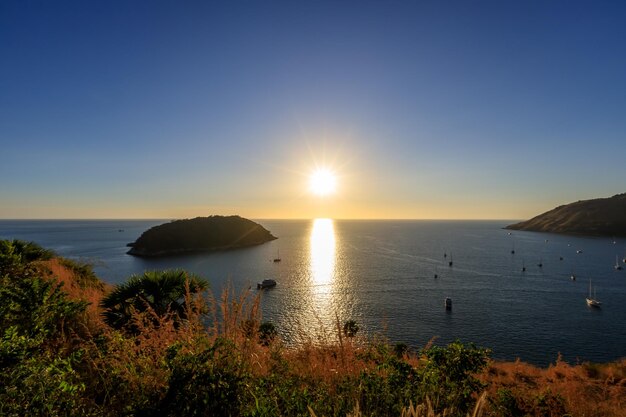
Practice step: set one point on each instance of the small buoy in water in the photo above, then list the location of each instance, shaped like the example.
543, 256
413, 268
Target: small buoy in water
448, 303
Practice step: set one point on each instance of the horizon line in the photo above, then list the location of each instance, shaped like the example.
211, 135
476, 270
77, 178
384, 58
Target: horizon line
256, 218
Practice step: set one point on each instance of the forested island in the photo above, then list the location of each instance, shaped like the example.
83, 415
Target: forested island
201, 234
596, 217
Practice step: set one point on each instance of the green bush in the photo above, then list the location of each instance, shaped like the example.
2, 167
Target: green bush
448, 377
211, 382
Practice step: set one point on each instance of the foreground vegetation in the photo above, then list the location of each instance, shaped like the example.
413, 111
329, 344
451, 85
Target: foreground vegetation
160, 346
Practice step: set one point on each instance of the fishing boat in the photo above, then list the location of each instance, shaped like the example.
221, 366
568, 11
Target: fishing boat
277, 258
617, 267
592, 301
266, 283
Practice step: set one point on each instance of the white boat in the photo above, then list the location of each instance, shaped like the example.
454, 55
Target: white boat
592, 301
266, 283
618, 267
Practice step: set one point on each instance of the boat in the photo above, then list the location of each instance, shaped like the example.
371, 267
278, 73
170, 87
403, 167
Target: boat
540, 264
593, 301
266, 283
450, 263
579, 251
448, 303
277, 258
523, 267
572, 276
617, 266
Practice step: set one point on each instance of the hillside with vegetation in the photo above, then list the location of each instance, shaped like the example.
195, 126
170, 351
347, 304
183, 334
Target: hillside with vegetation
160, 345
597, 217
199, 235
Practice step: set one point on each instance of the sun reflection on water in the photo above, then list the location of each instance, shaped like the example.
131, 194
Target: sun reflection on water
322, 252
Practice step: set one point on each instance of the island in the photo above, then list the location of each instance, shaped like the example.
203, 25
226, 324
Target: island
596, 217
201, 234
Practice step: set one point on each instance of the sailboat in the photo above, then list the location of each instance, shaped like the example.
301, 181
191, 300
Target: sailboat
450, 263
277, 258
592, 301
523, 267
540, 264
572, 277
618, 267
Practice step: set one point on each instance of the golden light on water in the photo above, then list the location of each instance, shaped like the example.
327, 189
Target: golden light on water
322, 251
323, 182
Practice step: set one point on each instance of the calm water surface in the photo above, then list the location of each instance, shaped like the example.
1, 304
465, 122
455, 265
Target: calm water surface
381, 274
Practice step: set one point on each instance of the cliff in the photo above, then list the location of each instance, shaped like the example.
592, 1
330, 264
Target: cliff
199, 235
597, 217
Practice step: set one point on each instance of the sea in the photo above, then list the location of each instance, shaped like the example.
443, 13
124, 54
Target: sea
392, 278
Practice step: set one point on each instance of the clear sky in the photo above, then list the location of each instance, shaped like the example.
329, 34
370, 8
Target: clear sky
423, 109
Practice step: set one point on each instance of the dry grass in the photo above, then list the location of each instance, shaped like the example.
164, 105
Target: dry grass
587, 390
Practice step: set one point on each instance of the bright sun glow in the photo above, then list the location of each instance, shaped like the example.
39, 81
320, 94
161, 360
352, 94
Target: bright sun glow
323, 182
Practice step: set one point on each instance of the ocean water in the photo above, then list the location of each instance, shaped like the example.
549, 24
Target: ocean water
381, 274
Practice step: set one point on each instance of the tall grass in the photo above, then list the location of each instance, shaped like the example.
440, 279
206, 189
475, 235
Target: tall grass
217, 358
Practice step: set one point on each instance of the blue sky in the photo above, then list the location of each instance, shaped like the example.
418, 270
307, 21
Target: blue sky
435, 109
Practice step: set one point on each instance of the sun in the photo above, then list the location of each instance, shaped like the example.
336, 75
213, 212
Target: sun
323, 182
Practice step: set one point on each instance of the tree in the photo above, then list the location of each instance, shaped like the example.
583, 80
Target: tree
161, 292
350, 328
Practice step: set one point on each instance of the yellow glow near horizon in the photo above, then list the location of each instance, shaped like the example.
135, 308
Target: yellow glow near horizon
323, 182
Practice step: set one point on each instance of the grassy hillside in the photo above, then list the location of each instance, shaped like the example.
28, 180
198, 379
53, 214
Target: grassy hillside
214, 357
599, 217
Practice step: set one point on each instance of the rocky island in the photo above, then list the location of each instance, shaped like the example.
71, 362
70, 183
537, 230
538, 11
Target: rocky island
201, 234
597, 217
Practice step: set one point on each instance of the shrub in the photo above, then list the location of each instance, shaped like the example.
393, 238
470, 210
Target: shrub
157, 292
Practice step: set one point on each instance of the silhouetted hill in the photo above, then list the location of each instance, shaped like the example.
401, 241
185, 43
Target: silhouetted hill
198, 235
599, 217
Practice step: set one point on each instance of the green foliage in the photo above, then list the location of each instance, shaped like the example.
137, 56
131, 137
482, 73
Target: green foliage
211, 382
505, 404
350, 328
37, 365
17, 255
267, 333
33, 311
160, 292
43, 385
448, 376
